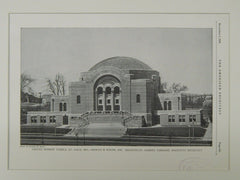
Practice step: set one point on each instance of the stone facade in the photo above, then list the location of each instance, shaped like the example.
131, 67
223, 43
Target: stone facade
180, 118
130, 84
38, 117
170, 101
60, 104
120, 85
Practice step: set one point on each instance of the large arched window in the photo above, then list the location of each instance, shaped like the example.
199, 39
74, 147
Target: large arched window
138, 98
99, 90
165, 105
65, 106
78, 99
52, 104
108, 90
116, 90
60, 106
169, 105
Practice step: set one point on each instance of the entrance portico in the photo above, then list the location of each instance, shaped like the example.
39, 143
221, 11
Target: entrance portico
107, 94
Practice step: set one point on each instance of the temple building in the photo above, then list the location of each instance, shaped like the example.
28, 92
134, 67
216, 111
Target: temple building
118, 89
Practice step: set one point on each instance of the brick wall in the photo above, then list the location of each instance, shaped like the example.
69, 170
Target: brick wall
174, 98
58, 100
85, 91
47, 116
164, 117
138, 87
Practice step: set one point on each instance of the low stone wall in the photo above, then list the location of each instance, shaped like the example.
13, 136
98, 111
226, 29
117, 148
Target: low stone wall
56, 117
168, 131
105, 118
44, 129
133, 122
77, 122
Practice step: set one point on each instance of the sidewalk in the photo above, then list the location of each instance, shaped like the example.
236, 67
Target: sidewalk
208, 134
100, 130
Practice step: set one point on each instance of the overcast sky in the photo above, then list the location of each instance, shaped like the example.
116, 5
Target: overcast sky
180, 55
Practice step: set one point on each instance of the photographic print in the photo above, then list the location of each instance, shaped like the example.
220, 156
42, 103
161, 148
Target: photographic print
116, 86
143, 93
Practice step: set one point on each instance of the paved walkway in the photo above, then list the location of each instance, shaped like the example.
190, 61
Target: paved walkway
208, 134
114, 129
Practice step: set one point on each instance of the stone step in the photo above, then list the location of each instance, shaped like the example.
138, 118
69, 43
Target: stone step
105, 128
100, 130
105, 118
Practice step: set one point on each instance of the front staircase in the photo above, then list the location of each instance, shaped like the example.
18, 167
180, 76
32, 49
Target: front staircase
101, 124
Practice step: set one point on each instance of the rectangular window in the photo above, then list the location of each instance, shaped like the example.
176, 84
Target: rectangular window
34, 119
43, 119
183, 118
52, 119
117, 101
180, 118
108, 101
99, 101
190, 118
169, 118
165, 105
65, 106
60, 106
138, 98
78, 99
169, 105
194, 118
52, 104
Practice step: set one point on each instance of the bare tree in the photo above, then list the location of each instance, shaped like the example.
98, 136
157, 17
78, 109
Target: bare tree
57, 86
163, 87
174, 87
207, 107
177, 87
26, 80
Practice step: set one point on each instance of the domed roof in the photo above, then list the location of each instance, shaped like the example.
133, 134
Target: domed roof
125, 63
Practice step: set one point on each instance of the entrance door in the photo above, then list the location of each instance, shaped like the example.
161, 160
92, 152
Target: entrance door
65, 120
